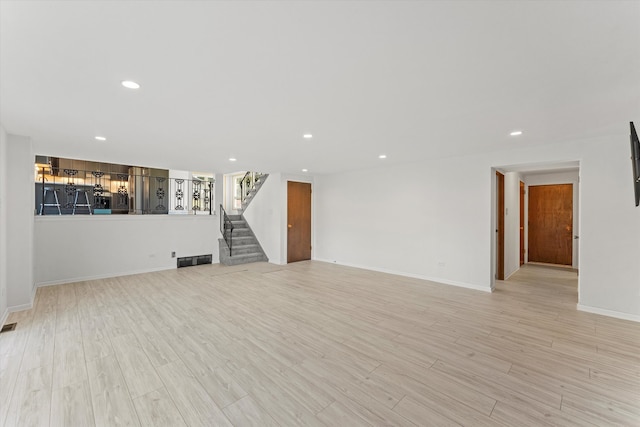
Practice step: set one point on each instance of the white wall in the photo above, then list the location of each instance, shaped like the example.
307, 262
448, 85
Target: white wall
511, 223
571, 177
609, 231
3, 225
74, 248
218, 189
438, 223
19, 209
264, 217
428, 220
267, 215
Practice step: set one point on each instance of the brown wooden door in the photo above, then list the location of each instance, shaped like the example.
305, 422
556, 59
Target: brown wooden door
298, 221
551, 223
500, 226
521, 222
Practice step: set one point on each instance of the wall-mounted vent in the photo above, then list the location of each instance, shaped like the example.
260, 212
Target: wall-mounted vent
195, 260
8, 327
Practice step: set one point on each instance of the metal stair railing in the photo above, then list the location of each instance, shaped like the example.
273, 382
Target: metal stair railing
226, 225
248, 183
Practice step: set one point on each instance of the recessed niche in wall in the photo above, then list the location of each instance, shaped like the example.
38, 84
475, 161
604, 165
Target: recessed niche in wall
80, 187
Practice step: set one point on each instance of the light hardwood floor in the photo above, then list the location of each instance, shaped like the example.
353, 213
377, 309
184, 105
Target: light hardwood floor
316, 344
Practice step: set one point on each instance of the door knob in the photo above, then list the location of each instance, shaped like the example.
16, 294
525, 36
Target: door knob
289, 226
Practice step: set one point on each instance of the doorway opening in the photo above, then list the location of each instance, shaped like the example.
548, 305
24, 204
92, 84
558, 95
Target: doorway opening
298, 221
232, 194
499, 226
522, 216
538, 208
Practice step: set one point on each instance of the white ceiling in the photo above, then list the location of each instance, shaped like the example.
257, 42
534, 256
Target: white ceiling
412, 79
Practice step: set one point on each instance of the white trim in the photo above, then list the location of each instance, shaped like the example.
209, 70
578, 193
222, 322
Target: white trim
20, 307
4, 316
284, 220
119, 217
414, 276
513, 272
610, 313
27, 306
102, 276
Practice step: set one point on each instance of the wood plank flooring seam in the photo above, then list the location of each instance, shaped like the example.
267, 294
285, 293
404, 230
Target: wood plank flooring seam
521, 355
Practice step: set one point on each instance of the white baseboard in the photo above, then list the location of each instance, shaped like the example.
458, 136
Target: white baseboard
512, 273
414, 276
101, 276
4, 316
610, 313
27, 306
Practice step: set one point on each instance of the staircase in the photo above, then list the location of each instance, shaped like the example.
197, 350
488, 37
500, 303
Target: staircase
244, 245
239, 245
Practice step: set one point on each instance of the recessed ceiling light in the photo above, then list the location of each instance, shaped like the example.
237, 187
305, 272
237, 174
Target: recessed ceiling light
382, 156
101, 138
305, 170
307, 136
232, 159
516, 133
130, 85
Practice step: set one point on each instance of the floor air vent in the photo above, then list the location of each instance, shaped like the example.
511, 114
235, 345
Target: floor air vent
8, 327
188, 261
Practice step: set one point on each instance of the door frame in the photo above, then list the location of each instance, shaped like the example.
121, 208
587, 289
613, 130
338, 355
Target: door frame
523, 214
284, 220
229, 191
499, 226
530, 172
577, 188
